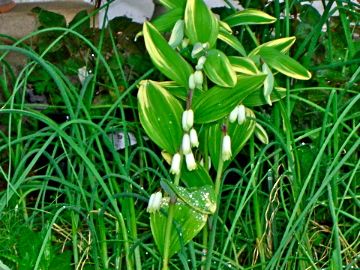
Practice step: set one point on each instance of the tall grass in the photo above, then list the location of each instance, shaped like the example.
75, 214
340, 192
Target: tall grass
70, 200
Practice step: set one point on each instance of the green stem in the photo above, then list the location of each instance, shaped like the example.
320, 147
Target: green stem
167, 236
168, 229
259, 232
213, 222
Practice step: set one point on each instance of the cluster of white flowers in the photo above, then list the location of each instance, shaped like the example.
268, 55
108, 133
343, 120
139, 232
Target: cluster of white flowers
190, 137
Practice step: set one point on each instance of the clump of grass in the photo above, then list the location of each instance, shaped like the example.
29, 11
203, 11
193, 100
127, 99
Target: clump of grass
80, 202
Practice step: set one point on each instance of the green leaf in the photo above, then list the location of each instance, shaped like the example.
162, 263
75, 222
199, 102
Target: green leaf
82, 27
173, 3
218, 102
160, 115
284, 64
168, 61
201, 199
232, 41
196, 178
249, 16
200, 23
49, 19
239, 135
268, 83
166, 21
188, 221
178, 91
257, 97
219, 70
244, 65
282, 44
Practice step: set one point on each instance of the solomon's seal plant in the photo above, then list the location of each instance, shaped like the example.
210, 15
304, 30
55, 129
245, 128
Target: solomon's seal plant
205, 109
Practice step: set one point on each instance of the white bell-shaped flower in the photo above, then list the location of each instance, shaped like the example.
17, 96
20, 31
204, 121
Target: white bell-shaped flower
241, 114
194, 141
187, 120
186, 146
192, 83
200, 63
154, 202
226, 148
234, 114
190, 161
175, 164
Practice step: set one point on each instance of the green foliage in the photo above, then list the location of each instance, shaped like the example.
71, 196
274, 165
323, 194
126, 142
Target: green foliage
78, 167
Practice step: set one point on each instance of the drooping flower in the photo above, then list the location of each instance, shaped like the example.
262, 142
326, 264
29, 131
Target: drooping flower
190, 161
154, 202
192, 83
177, 34
175, 164
194, 141
200, 63
197, 50
187, 120
186, 146
234, 114
226, 148
241, 114
198, 78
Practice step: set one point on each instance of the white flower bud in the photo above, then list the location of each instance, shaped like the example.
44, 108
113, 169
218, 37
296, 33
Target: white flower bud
197, 50
185, 43
190, 161
234, 114
175, 164
241, 114
206, 45
200, 63
226, 148
154, 202
187, 120
198, 78
185, 146
177, 34
194, 138
192, 83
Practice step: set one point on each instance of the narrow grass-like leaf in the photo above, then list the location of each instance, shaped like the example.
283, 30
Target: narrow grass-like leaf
219, 70
248, 17
200, 23
284, 64
160, 116
168, 61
